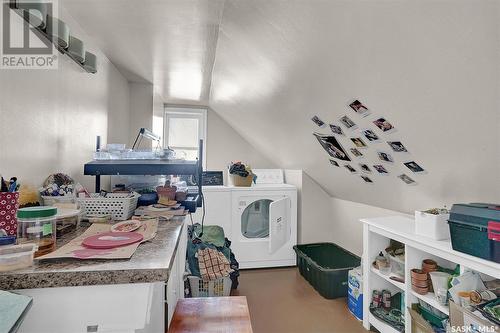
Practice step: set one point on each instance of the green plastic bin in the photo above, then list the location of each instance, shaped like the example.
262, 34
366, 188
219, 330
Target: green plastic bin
325, 267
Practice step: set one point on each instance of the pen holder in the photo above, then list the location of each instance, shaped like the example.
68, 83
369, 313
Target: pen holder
9, 203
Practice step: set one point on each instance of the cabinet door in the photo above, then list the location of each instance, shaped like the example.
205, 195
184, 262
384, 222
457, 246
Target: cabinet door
279, 224
172, 289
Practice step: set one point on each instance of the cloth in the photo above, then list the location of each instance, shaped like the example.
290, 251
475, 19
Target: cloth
212, 234
213, 264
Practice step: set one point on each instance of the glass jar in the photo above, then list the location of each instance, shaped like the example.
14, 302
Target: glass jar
37, 225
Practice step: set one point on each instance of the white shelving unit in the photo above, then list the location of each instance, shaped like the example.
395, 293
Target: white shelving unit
377, 233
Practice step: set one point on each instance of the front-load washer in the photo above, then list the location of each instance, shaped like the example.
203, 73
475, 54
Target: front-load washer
264, 225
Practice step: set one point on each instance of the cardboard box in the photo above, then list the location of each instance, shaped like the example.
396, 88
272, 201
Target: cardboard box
463, 320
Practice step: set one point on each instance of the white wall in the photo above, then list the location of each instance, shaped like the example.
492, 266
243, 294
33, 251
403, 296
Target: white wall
50, 118
224, 145
141, 110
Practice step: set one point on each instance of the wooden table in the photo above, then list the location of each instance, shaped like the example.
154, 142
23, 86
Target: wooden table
211, 314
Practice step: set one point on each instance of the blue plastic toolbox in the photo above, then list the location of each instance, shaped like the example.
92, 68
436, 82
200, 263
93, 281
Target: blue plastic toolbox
475, 230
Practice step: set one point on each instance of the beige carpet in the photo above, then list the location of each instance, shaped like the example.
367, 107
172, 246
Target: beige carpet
282, 301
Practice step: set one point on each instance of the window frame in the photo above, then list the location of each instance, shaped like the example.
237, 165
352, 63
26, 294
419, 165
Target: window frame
187, 112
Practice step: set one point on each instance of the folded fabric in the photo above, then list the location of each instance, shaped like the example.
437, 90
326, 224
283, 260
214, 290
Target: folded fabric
213, 264
212, 234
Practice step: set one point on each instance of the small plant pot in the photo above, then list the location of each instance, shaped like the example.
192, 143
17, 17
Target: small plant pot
418, 274
420, 283
421, 291
429, 265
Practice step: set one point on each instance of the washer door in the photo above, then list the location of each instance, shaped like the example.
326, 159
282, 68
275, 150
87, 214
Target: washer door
255, 219
279, 224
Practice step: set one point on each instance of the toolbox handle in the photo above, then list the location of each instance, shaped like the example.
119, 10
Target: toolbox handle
494, 231
467, 225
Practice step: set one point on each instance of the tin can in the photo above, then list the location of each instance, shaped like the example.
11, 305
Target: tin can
376, 299
386, 299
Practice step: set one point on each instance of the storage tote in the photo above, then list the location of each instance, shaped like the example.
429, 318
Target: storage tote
121, 206
209, 288
475, 230
325, 267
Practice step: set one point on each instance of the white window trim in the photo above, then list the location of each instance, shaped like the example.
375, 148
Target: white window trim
188, 112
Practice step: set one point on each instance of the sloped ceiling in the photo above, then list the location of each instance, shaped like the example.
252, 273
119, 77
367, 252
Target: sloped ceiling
432, 68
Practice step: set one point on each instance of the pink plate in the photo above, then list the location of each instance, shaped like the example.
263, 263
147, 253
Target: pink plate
109, 240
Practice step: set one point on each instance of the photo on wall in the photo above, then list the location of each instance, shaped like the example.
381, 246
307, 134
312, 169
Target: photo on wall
318, 121
365, 168
407, 180
359, 108
359, 143
381, 169
332, 146
414, 167
352, 171
356, 152
348, 123
397, 146
385, 157
367, 179
384, 125
336, 129
334, 163
370, 135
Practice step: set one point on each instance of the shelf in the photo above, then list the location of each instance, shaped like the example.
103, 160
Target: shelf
381, 326
387, 278
140, 167
431, 300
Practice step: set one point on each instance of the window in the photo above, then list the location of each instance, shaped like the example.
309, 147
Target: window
184, 128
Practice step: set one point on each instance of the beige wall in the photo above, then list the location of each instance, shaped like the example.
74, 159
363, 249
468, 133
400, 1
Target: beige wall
224, 145
141, 110
50, 118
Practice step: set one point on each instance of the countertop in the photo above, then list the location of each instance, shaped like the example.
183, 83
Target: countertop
150, 263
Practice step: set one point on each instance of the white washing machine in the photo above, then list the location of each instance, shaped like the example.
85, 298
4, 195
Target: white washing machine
260, 221
264, 225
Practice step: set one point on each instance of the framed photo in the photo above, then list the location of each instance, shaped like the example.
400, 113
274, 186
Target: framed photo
414, 167
367, 179
365, 168
407, 180
351, 170
334, 163
381, 169
370, 135
336, 129
356, 152
332, 146
359, 143
348, 123
384, 125
397, 146
318, 121
385, 157
359, 108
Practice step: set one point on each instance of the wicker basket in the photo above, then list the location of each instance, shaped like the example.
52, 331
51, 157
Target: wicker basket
121, 206
241, 181
209, 288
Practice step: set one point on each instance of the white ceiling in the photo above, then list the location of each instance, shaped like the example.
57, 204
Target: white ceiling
430, 67
168, 43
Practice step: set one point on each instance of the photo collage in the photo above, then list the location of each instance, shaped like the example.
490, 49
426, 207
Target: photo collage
365, 139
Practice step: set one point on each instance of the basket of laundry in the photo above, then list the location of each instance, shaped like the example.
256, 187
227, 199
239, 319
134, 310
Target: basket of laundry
213, 270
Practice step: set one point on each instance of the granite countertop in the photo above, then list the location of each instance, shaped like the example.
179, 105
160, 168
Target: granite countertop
151, 262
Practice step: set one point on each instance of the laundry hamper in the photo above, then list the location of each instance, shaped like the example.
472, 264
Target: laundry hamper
121, 206
209, 288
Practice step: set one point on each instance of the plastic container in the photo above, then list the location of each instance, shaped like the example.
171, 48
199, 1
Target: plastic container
37, 225
475, 230
121, 206
325, 266
209, 288
433, 318
397, 265
53, 200
67, 220
432, 226
16, 257
383, 264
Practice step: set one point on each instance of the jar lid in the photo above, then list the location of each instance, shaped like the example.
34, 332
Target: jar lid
36, 212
